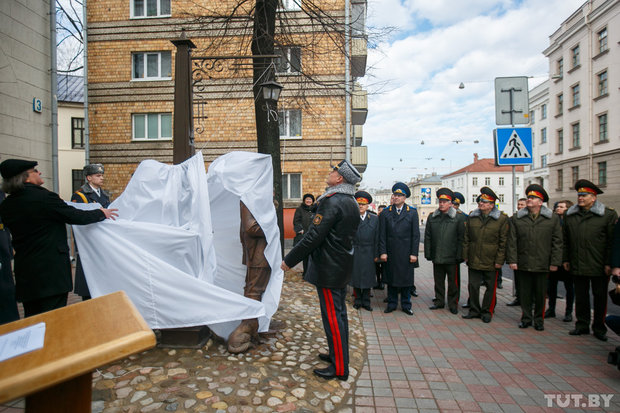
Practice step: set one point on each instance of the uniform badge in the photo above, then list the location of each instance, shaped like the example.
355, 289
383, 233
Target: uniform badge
317, 219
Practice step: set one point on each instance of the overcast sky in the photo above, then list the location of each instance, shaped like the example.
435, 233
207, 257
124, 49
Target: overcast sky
414, 76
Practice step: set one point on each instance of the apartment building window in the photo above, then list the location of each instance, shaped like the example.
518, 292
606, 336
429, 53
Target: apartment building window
543, 111
290, 124
289, 60
77, 133
501, 198
291, 186
560, 140
575, 56
543, 135
560, 179
152, 126
602, 40
77, 179
487, 180
517, 181
358, 19
474, 198
474, 181
576, 96
151, 65
560, 67
602, 127
150, 8
543, 161
501, 181
602, 173
290, 5
575, 174
560, 103
532, 117
576, 138
602, 83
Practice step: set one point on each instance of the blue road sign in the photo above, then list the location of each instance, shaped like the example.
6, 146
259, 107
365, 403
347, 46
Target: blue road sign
513, 146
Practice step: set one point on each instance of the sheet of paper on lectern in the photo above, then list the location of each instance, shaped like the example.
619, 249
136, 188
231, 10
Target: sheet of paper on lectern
22, 341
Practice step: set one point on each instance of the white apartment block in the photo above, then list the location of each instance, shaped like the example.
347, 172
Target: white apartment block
584, 101
483, 172
538, 172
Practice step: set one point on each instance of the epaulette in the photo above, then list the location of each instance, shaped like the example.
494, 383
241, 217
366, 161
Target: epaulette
81, 195
330, 195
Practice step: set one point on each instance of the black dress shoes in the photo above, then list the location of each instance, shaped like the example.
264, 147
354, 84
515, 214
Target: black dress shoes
486, 318
466, 305
567, 318
356, 306
539, 327
577, 332
389, 310
514, 303
550, 314
408, 311
470, 316
524, 324
415, 294
329, 373
435, 307
367, 308
325, 358
454, 311
601, 336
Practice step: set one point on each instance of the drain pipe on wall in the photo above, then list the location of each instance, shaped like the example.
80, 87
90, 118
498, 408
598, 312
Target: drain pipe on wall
54, 95
85, 64
347, 82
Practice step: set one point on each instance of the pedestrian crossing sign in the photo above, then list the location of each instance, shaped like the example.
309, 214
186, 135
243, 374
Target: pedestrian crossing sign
513, 146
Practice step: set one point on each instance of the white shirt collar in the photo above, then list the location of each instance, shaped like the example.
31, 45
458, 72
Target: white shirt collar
97, 190
363, 217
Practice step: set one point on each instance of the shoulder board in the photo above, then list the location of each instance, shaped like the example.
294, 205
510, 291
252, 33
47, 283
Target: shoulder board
81, 195
389, 208
330, 195
610, 208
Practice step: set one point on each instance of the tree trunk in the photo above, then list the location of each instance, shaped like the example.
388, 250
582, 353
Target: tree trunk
267, 130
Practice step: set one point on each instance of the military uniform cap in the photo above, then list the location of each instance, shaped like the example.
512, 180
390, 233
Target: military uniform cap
348, 172
363, 197
401, 189
583, 186
93, 168
445, 193
308, 196
537, 191
487, 194
13, 167
458, 198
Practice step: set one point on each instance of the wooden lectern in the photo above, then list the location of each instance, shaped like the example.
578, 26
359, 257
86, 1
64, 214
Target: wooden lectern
78, 339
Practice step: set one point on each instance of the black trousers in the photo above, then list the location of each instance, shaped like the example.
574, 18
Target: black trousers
552, 289
336, 325
45, 304
405, 297
533, 291
582, 302
452, 273
362, 297
476, 278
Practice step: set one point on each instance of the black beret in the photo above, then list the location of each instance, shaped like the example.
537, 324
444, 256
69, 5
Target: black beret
583, 186
402, 189
445, 193
308, 196
537, 191
459, 197
13, 167
487, 194
363, 197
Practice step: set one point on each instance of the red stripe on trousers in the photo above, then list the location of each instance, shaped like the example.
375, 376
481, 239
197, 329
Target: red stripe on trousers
494, 300
333, 324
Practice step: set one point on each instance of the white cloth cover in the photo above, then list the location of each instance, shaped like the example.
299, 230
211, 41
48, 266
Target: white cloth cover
175, 248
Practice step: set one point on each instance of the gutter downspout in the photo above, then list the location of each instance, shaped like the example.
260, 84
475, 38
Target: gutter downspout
86, 129
54, 93
347, 82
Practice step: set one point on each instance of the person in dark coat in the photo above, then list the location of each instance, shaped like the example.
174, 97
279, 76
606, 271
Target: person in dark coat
36, 218
399, 242
366, 245
329, 242
561, 274
588, 232
302, 220
613, 321
521, 203
8, 303
534, 249
90, 192
443, 245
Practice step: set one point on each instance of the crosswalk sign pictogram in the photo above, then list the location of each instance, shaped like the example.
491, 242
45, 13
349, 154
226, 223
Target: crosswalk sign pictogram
513, 146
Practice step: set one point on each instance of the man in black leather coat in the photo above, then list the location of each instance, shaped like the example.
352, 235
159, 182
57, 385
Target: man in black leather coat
329, 243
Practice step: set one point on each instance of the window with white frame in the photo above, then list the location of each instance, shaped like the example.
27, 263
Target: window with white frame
543, 111
150, 8
575, 174
290, 124
151, 65
290, 5
575, 56
474, 181
560, 67
602, 83
501, 181
560, 140
289, 60
576, 95
517, 180
487, 180
543, 135
560, 179
602, 40
576, 135
602, 128
602, 173
532, 117
543, 161
501, 198
560, 103
474, 198
152, 126
291, 186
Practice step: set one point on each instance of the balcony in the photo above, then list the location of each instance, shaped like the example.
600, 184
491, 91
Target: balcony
359, 54
358, 134
359, 157
359, 105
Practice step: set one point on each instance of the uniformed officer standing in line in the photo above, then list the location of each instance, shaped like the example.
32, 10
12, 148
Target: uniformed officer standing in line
329, 242
399, 242
459, 200
366, 246
484, 252
521, 203
90, 192
443, 245
534, 249
8, 303
588, 234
